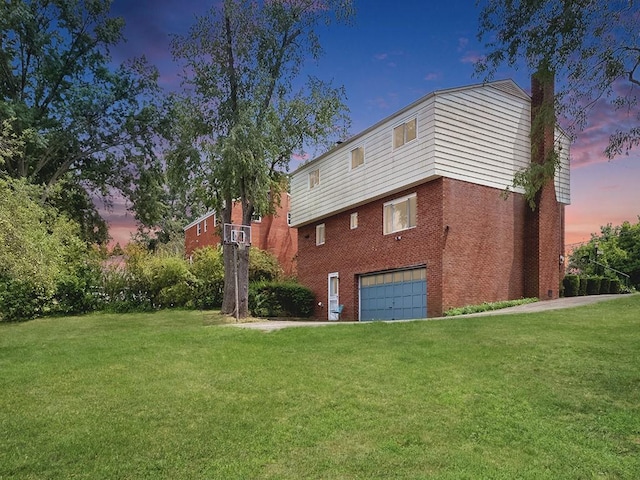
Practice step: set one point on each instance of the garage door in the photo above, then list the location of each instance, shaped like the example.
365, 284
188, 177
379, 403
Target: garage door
394, 295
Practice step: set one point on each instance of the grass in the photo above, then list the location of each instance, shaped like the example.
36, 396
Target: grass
170, 396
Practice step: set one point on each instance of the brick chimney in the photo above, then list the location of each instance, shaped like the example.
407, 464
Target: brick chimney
544, 228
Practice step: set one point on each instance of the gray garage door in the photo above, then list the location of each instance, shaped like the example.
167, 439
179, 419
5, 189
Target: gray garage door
394, 295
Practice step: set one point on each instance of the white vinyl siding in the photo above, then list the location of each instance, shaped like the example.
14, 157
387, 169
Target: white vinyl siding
563, 175
477, 134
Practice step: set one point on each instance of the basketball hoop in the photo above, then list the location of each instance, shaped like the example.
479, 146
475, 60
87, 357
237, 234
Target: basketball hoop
239, 235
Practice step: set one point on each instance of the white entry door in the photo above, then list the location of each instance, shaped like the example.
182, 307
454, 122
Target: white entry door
334, 299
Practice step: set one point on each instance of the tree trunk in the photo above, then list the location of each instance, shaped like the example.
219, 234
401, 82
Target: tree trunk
236, 272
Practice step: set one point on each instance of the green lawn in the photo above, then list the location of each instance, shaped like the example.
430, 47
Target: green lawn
168, 395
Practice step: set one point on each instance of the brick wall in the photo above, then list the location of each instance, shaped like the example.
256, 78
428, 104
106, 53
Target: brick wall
469, 237
272, 234
483, 256
193, 241
366, 249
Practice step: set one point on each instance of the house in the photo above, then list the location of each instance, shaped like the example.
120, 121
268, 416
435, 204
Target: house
409, 218
271, 233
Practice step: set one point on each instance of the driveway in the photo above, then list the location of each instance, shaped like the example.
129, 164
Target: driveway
543, 306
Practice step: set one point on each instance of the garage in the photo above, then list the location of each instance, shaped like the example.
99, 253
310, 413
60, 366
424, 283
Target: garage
394, 295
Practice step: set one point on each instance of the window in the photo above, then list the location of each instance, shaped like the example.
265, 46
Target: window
357, 157
205, 225
400, 214
404, 133
314, 178
320, 234
215, 221
198, 229
289, 218
354, 220
256, 217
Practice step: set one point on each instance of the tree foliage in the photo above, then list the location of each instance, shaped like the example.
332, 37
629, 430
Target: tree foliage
591, 46
615, 248
40, 254
72, 117
246, 111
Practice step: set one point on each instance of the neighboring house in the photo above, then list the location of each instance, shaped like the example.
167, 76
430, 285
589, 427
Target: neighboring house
271, 233
409, 218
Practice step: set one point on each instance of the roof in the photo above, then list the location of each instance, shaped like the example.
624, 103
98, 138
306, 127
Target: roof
199, 219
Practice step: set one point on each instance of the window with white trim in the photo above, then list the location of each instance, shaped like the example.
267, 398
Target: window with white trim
400, 214
357, 157
289, 218
205, 225
320, 234
353, 221
198, 229
314, 178
405, 133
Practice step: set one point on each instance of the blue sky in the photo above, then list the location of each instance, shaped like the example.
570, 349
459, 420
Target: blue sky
392, 54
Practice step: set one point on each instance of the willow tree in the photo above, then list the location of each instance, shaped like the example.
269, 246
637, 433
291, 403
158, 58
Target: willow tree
246, 110
590, 46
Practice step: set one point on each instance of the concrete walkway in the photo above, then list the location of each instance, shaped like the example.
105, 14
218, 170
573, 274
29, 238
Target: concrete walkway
271, 325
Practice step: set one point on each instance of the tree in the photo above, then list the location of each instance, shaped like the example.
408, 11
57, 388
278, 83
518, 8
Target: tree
614, 249
246, 112
590, 45
79, 121
41, 255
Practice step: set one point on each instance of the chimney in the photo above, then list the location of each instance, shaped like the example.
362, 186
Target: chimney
544, 226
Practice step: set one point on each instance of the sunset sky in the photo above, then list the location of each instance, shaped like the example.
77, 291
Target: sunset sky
392, 54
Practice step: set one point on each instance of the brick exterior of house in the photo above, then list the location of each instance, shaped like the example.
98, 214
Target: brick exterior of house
271, 233
476, 244
470, 238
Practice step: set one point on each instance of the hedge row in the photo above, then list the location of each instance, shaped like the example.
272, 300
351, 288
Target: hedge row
575, 285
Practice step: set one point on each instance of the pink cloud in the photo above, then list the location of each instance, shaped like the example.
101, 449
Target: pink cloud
471, 57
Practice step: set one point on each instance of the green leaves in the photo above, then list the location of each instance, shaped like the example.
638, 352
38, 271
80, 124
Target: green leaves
76, 117
590, 45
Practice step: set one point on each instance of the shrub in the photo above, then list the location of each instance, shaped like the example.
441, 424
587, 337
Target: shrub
263, 266
169, 280
208, 270
22, 299
280, 299
571, 285
604, 285
582, 291
614, 286
488, 306
593, 285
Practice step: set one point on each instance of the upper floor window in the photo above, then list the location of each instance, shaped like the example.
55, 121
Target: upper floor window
314, 178
400, 214
405, 133
289, 218
204, 222
198, 228
320, 234
357, 157
256, 217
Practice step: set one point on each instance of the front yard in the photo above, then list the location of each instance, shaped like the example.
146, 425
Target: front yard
171, 395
